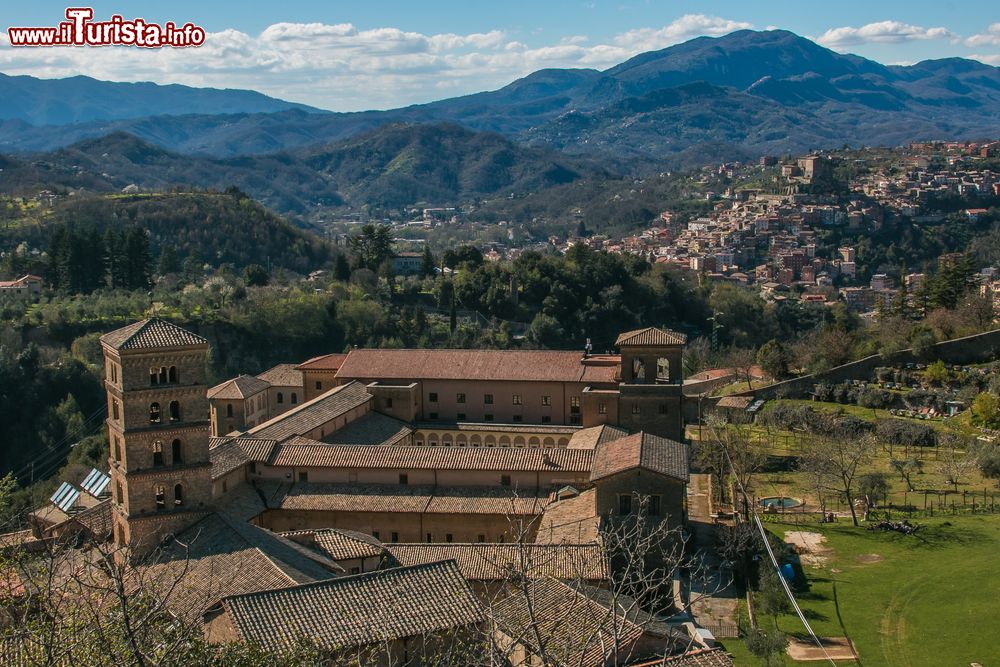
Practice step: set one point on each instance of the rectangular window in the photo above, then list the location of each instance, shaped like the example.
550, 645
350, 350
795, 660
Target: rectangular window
575, 420
504, 480
546, 400
429, 538
404, 479
488, 417
395, 536
460, 398
546, 419
449, 538
375, 534
460, 416
516, 399
654, 506
488, 399
481, 538
635, 409
388, 402
319, 385
433, 397
517, 419
624, 504
433, 416
574, 405
303, 476
602, 408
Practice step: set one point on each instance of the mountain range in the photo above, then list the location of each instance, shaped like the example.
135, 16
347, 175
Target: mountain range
706, 100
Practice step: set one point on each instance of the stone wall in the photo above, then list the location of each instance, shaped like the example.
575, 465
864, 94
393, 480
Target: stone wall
973, 349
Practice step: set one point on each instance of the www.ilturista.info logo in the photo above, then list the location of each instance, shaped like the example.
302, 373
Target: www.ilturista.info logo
80, 30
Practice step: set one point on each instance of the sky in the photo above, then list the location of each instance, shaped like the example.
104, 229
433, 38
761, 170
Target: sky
355, 55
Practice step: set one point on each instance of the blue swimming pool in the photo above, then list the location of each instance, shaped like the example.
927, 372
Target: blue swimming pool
780, 502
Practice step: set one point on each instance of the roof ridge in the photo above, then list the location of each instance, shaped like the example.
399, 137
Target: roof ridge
373, 574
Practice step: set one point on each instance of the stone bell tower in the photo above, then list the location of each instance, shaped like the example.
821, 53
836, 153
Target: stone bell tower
651, 397
158, 428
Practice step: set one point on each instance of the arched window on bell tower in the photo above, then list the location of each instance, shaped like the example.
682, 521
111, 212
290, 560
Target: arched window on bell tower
154, 413
175, 411
178, 494
157, 453
161, 498
175, 452
172, 375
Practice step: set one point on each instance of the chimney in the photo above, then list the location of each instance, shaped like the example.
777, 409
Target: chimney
587, 349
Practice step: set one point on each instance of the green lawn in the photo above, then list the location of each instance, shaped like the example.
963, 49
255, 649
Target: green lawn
931, 600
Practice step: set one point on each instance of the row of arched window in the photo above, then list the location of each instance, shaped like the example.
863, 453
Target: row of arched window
461, 440
161, 497
163, 375
176, 455
174, 412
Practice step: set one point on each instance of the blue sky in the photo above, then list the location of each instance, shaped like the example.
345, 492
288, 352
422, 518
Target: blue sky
351, 55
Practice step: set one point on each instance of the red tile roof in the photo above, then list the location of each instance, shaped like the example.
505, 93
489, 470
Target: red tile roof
407, 499
495, 365
301, 452
282, 375
238, 388
641, 450
361, 610
496, 562
313, 414
324, 362
151, 334
651, 336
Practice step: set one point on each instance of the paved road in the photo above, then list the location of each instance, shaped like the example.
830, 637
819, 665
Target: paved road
712, 595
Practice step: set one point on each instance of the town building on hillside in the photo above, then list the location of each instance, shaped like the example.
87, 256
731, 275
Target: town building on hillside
28, 286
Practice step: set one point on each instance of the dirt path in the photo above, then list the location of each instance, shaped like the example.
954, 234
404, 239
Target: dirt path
712, 595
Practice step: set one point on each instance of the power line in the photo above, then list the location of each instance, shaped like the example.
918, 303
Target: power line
774, 561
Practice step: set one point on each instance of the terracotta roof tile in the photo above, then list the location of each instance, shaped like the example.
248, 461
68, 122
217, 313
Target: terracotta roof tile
589, 438
577, 630
494, 562
651, 336
282, 375
229, 453
220, 556
641, 450
496, 365
325, 362
360, 610
407, 499
338, 544
238, 388
302, 452
312, 414
570, 521
151, 334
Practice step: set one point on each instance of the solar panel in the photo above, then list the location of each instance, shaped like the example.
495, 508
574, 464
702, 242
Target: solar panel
96, 482
65, 496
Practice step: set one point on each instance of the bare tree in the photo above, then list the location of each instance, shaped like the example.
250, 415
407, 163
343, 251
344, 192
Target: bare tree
837, 458
743, 458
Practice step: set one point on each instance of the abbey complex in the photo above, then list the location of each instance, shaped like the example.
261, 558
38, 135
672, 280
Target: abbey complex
402, 480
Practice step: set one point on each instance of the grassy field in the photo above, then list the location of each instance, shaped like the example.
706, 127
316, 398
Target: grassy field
927, 599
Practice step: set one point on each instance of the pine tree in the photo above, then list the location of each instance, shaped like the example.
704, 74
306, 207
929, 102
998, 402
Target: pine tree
427, 264
169, 262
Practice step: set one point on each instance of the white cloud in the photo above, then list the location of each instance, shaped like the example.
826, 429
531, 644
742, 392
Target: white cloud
988, 58
338, 66
989, 38
892, 32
